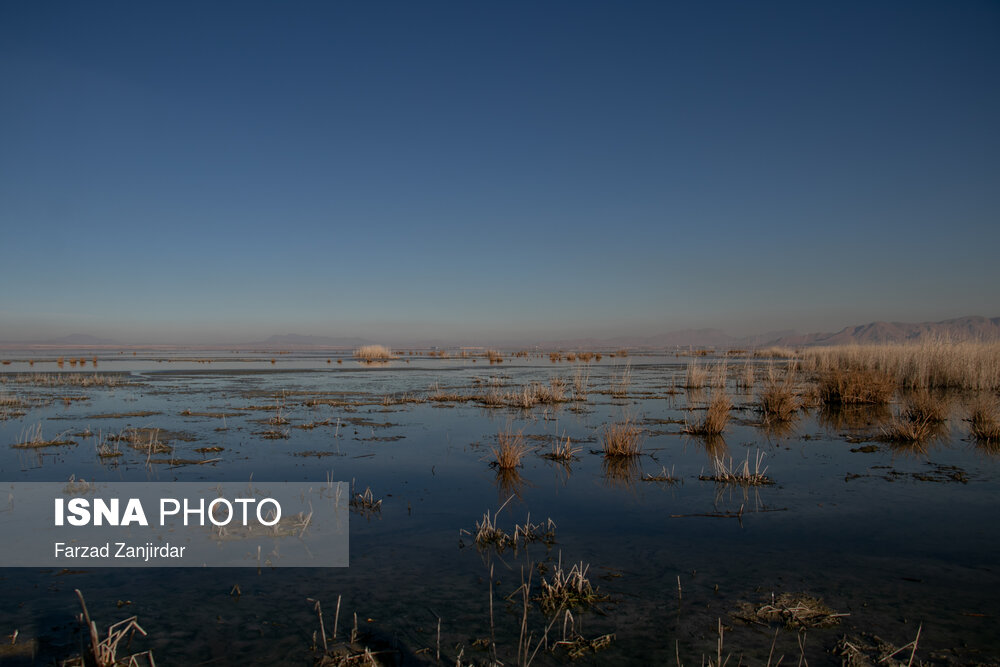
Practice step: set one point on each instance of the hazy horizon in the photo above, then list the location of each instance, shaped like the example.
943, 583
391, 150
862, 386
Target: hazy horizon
202, 174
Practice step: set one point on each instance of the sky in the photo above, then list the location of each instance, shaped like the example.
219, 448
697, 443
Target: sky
207, 172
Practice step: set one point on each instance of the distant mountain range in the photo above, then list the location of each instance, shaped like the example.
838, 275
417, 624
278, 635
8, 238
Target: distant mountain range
961, 328
297, 340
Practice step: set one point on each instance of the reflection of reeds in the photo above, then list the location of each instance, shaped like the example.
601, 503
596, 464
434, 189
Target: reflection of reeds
852, 417
714, 445
778, 429
908, 447
621, 471
509, 482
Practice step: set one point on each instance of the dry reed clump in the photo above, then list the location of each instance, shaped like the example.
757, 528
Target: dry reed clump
985, 420
620, 383
747, 377
568, 589
716, 417
527, 397
104, 652
793, 610
365, 502
932, 363
906, 430
373, 353
868, 650
778, 402
31, 438
856, 386
922, 406
562, 451
510, 449
489, 534
494, 356
581, 384
622, 439
696, 376
741, 474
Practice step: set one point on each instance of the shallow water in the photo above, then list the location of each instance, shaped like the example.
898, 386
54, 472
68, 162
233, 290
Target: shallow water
896, 537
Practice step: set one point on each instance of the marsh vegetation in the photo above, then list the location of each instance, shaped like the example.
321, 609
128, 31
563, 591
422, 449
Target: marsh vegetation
707, 502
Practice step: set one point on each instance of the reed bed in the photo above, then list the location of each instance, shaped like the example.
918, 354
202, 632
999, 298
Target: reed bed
856, 386
716, 417
934, 363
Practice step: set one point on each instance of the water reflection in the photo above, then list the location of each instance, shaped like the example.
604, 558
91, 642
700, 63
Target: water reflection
853, 417
621, 471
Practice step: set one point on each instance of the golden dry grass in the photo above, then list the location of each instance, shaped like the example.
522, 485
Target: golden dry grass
622, 439
905, 430
856, 386
778, 402
373, 353
930, 363
696, 376
741, 474
922, 405
510, 449
716, 417
985, 420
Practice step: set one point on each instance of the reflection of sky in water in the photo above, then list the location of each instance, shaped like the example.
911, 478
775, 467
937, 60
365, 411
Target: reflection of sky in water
897, 538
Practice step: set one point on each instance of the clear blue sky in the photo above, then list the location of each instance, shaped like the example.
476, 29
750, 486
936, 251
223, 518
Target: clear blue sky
228, 170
